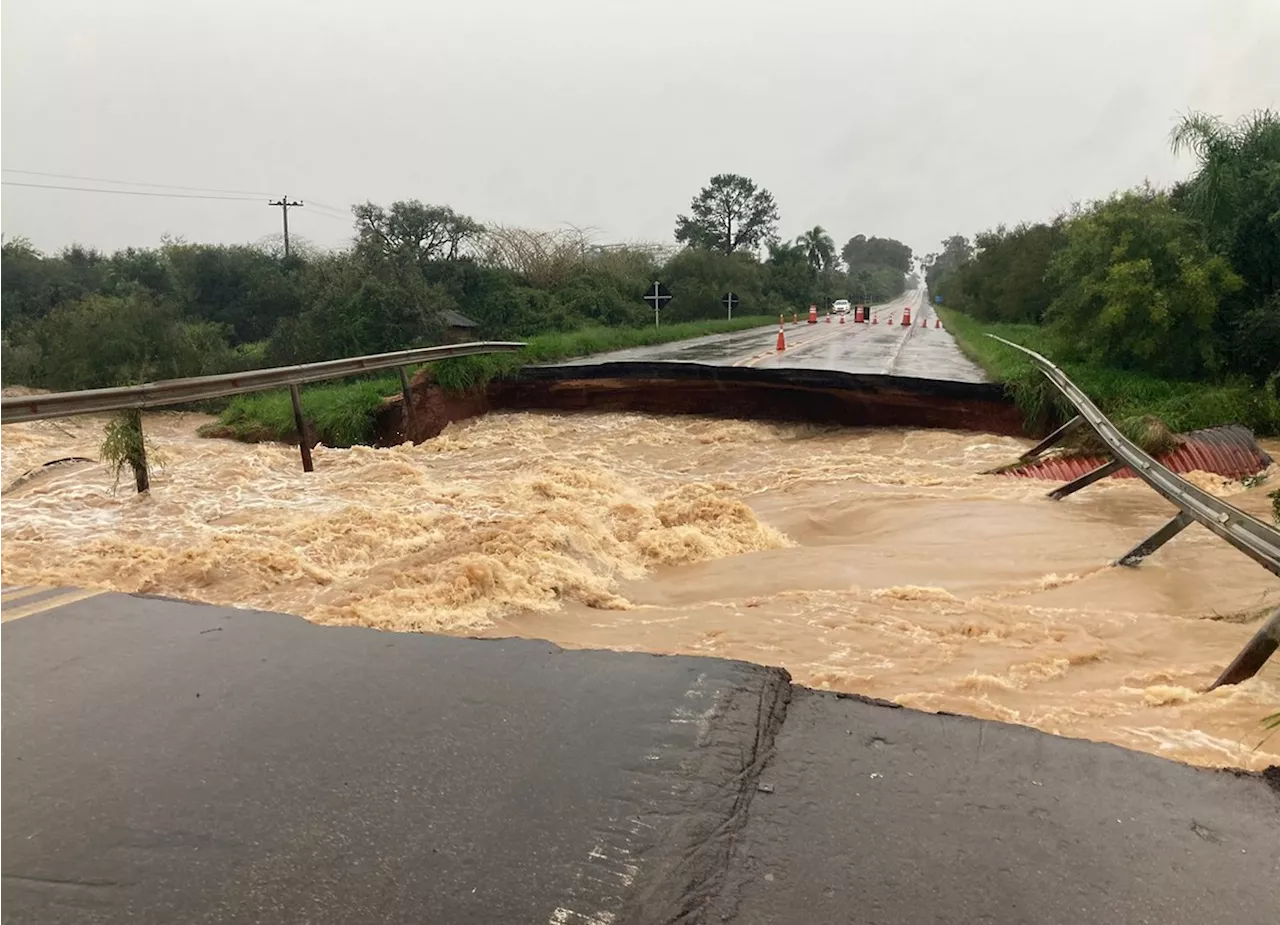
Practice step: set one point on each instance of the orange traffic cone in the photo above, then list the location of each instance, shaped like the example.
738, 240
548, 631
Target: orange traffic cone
795, 317
828, 317
875, 319
782, 339
891, 319
923, 323
937, 322
842, 319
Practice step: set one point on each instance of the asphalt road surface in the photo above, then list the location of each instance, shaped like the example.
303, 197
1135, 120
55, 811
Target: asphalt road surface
168, 762
889, 347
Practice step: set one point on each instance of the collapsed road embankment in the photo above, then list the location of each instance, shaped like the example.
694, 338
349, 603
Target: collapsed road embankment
819, 396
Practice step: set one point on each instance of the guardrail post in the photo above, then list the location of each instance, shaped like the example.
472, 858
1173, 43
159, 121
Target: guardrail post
1156, 540
296, 396
1254, 655
408, 399
141, 474
1087, 479
1054, 438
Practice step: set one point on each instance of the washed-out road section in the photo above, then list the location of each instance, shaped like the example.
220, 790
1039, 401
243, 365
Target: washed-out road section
170, 762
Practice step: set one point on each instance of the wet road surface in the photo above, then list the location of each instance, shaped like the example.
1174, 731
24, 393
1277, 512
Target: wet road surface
886, 348
169, 762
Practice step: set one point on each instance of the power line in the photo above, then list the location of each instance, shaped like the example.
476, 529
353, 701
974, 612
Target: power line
194, 189
130, 192
325, 205
335, 211
345, 219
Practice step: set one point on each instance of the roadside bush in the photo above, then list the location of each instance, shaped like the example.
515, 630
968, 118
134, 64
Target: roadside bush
1139, 289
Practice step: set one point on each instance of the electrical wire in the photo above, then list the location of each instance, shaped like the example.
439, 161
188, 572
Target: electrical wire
345, 219
193, 189
319, 208
325, 205
131, 192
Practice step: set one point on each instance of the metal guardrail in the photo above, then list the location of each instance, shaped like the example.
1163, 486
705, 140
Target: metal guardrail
1257, 540
15, 409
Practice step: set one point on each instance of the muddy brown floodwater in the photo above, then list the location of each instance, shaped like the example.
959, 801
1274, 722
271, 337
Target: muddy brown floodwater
874, 561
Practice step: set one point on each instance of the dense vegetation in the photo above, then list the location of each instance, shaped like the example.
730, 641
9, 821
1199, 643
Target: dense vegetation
83, 319
1150, 285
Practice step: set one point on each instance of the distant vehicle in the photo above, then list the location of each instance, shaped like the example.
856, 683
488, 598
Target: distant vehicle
841, 307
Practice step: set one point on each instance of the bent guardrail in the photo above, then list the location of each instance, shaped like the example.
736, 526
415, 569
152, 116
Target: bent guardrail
1257, 540
19, 408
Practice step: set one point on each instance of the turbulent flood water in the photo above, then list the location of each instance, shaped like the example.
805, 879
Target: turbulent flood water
869, 561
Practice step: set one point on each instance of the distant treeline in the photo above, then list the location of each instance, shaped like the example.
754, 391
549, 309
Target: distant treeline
84, 319
1181, 283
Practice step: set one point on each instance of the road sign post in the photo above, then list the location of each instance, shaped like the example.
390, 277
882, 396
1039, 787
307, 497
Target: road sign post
729, 301
657, 296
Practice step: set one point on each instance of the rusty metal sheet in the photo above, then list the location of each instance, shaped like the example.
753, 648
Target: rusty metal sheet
1230, 451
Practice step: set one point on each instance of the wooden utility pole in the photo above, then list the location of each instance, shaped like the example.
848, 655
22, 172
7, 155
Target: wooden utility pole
284, 204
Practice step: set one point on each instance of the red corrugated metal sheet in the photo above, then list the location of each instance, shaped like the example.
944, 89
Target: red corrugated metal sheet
1229, 451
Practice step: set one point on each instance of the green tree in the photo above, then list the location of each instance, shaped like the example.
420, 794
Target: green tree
140, 266
731, 213
1138, 287
355, 309
818, 247
1006, 278
861, 251
411, 231
698, 278
243, 288
941, 267
790, 278
1237, 165
32, 284
877, 267
102, 341
1235, 193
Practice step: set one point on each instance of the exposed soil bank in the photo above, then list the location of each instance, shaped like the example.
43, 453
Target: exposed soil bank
819, 396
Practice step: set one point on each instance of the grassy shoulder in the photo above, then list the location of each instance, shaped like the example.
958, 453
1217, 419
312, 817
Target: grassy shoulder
1121, 394
344, 413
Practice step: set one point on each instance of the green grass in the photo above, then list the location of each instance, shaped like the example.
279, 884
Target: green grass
344, 414
1124, 395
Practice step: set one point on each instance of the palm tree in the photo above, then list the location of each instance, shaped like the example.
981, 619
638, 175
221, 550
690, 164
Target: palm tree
819, 248
1235, 164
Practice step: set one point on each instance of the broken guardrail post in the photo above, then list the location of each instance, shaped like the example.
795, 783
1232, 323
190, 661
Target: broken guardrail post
1254, 655
1053, 439
296, 397
1087, 479
1135, 555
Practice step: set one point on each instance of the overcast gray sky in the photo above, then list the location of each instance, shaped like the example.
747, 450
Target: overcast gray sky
908, 118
